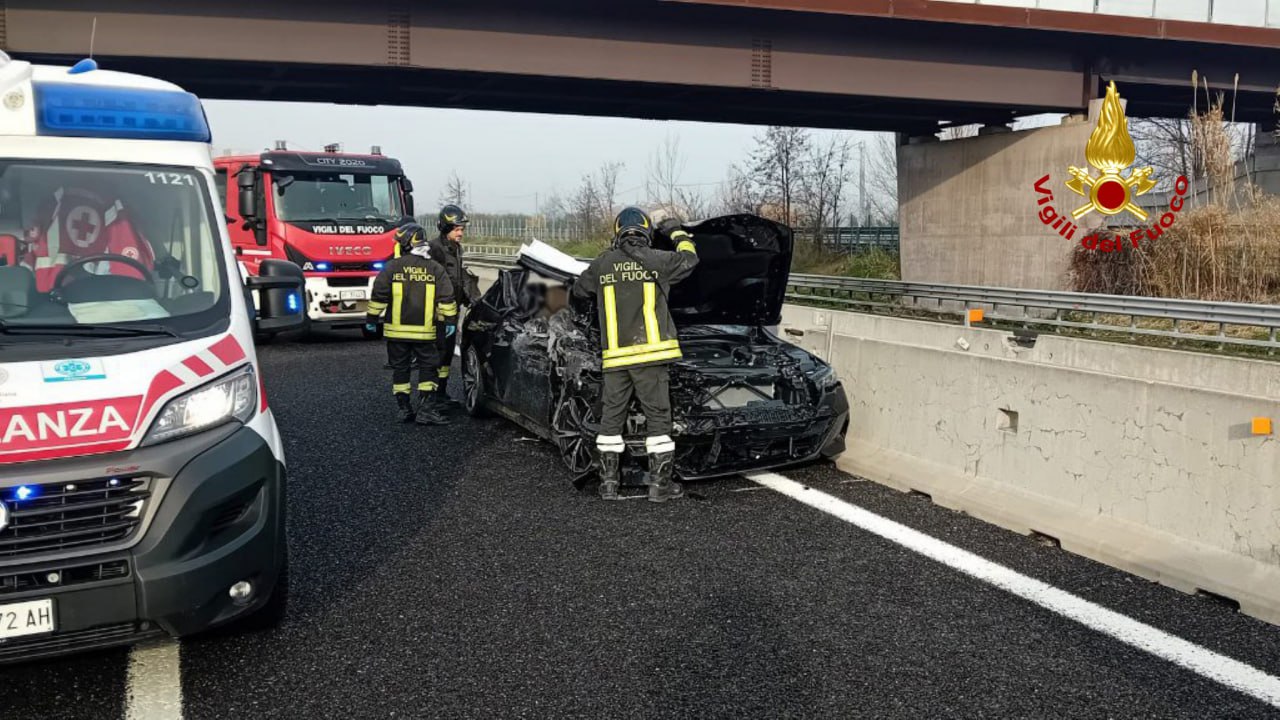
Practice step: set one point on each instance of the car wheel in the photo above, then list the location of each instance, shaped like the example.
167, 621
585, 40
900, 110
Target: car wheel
576, 449
472, 383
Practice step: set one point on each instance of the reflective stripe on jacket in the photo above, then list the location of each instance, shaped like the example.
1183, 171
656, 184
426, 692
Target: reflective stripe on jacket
630, 284
414, 292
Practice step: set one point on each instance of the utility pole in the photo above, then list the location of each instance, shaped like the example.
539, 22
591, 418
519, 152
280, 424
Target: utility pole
862, 179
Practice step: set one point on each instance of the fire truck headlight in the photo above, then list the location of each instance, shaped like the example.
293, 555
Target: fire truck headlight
230, 398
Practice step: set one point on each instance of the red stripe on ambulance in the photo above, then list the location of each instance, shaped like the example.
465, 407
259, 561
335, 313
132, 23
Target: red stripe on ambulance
228, 350
197, 366
67, 425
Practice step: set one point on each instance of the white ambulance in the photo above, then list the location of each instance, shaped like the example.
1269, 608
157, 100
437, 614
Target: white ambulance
142, 481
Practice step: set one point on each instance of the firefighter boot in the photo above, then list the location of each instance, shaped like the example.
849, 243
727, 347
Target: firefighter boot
610, 463
428, 411
443, 401
406, 409
661, 487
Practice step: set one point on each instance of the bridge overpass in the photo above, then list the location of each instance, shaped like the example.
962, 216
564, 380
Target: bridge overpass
883, 65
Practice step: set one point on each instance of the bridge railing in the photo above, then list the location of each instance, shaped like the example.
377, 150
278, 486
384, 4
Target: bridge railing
1197, 324
1250, 13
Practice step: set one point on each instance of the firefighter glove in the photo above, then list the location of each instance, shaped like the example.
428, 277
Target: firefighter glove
669, 227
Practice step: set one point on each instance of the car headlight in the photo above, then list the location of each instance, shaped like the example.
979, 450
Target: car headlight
824, 378
233, 397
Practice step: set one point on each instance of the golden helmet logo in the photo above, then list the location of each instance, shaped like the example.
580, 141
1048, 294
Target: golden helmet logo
1111, 152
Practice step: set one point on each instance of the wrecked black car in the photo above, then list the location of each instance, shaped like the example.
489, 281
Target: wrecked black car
742, 399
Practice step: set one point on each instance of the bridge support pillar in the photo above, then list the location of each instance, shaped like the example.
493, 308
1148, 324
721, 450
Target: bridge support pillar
968, 207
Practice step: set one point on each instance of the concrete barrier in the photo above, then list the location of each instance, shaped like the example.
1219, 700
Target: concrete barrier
1144, 459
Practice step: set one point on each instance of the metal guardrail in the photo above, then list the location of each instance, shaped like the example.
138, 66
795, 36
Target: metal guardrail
1221, 323
852, 239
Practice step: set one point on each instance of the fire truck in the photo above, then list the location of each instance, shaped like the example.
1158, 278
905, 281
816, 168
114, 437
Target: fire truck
332, 213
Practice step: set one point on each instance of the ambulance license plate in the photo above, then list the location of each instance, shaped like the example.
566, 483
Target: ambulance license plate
352, 295
26, 618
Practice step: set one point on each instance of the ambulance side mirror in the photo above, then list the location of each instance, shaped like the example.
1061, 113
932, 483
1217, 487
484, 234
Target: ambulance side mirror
281, 304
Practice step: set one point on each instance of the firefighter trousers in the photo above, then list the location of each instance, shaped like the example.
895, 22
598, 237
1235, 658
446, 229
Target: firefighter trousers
445, 346
650, 385
404, 356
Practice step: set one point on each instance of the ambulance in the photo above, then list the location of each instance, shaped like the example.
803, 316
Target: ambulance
142, 479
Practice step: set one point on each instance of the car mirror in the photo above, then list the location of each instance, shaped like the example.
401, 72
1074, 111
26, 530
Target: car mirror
279, 285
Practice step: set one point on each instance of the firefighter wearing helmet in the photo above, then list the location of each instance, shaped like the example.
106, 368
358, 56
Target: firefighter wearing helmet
417, 298
446, 249
630, 282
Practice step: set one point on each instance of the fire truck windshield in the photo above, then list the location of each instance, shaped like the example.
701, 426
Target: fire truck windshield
101, 245
311, 197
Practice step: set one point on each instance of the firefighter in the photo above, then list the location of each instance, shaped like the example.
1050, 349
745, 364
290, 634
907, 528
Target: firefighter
417, 297
630, 282
446, 249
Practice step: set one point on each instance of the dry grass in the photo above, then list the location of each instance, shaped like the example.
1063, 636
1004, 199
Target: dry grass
1227, 248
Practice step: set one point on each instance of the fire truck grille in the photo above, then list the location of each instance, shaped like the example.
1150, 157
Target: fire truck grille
53, 517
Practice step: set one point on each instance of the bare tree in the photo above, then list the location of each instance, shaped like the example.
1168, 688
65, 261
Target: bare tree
607, 183
882, 181
585, 206
822, 185
1166, 144
554, 207
455, 191
737, 194
662, 176
692, 203
777, 166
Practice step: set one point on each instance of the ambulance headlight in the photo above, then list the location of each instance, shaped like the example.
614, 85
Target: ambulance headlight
233, 397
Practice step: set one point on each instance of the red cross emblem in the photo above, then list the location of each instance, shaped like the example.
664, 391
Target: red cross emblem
84, 224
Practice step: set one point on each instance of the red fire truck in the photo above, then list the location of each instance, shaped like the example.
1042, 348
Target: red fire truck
332, 213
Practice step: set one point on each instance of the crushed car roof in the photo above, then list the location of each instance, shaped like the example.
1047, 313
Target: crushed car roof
741, 278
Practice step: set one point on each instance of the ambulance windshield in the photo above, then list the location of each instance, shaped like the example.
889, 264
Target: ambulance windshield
84, 246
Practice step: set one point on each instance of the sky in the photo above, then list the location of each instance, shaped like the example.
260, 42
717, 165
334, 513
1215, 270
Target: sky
512, 161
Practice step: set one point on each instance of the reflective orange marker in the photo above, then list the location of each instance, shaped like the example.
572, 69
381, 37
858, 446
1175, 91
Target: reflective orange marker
976, 315
1261, 426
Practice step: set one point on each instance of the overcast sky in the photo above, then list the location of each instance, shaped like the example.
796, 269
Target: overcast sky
509, 159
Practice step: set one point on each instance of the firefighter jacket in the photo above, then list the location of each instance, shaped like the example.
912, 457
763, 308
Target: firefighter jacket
449, 254
630, 283
415, 293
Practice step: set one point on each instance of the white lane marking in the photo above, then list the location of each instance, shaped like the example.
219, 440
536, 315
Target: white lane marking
457, 351
1231, 673
153, 690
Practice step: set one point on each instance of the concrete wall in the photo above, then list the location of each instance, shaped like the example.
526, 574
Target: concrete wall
968, 210
1140, 458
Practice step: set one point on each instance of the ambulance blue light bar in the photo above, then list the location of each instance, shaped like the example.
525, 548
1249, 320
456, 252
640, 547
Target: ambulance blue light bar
71, 110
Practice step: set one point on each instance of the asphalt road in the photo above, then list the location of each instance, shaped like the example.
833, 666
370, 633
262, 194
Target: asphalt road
454, 572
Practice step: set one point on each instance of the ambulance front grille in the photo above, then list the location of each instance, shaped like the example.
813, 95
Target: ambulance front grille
55, 517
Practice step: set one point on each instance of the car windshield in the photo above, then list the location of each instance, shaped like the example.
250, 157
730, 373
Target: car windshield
107, 249
314, 197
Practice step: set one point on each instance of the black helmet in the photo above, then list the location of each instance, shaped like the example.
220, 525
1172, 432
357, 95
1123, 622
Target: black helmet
409, 235
450, 217
633, 221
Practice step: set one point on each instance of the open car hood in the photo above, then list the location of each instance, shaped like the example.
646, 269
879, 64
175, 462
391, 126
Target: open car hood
741, 279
